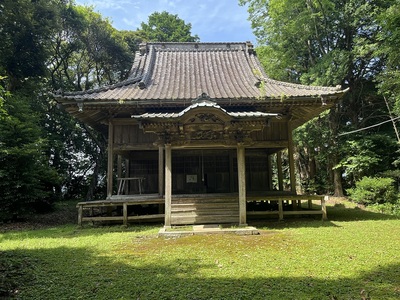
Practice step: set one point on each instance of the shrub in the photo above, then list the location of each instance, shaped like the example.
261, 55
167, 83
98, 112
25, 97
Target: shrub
373, 190
387, 208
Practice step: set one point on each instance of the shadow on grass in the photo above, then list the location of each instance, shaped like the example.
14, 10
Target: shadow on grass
339, 212
76, 273
71, 231
336, 213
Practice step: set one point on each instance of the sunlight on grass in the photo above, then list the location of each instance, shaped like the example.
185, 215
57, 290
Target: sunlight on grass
354, 254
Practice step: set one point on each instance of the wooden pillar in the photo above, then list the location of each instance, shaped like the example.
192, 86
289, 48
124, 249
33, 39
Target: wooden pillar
280, 205
280, 173
125, 213
110, 162
270, 172
168, 184
160, 170
127, 174
323, 207
80, 214
241, 184
291, 160
309, 204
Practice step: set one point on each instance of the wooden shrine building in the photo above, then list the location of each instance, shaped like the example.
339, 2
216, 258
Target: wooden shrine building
196, 133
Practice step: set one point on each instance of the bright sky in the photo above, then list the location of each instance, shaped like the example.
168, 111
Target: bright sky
212, 20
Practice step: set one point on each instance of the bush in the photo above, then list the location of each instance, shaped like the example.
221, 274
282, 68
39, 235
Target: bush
370, 190
387, 208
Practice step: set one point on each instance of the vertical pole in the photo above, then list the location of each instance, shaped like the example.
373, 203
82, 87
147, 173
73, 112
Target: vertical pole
110, 162
291, 160
280, 173
241, 184
127, 187
80, 213
323, 207
168, 185
160, 170
270, 172
125, 213
309, 204
280, 205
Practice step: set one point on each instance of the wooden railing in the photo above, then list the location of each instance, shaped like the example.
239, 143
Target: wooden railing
211, 209
296, 205
117, 204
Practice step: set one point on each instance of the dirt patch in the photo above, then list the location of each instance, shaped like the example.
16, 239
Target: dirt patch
336, 200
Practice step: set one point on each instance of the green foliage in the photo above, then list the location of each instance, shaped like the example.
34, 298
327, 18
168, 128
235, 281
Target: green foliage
49, 45
314, 147
3, 93
370, 190
389, 79
367, 156
26, 30
331, 42
88, 51
387, 208
26, 180
165, 27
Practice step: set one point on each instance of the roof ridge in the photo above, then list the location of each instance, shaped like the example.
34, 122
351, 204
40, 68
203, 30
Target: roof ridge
197, 50
148, 68
182, 46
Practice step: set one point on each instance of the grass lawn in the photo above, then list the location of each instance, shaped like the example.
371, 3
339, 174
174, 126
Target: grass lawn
355, 255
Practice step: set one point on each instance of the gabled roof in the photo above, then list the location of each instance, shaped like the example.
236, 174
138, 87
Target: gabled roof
167, 77
182, 71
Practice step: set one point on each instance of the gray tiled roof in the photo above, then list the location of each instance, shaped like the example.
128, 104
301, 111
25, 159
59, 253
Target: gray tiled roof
182, 71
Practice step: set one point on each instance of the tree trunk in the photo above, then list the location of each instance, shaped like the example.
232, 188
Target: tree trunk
93, 182
100, 142
337, 174
337, 179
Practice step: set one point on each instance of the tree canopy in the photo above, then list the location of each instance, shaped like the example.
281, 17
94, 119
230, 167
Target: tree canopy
50, 45
165, 27
333, 42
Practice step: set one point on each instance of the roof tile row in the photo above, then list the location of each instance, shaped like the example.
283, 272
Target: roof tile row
174, 71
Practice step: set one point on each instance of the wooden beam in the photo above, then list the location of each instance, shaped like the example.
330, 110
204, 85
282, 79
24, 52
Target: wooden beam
110, 158
168, 185
241, 184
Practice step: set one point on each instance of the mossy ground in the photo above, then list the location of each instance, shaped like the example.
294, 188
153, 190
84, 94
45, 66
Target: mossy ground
355, 255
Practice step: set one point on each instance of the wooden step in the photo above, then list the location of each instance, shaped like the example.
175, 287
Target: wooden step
185, 220
204, 211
